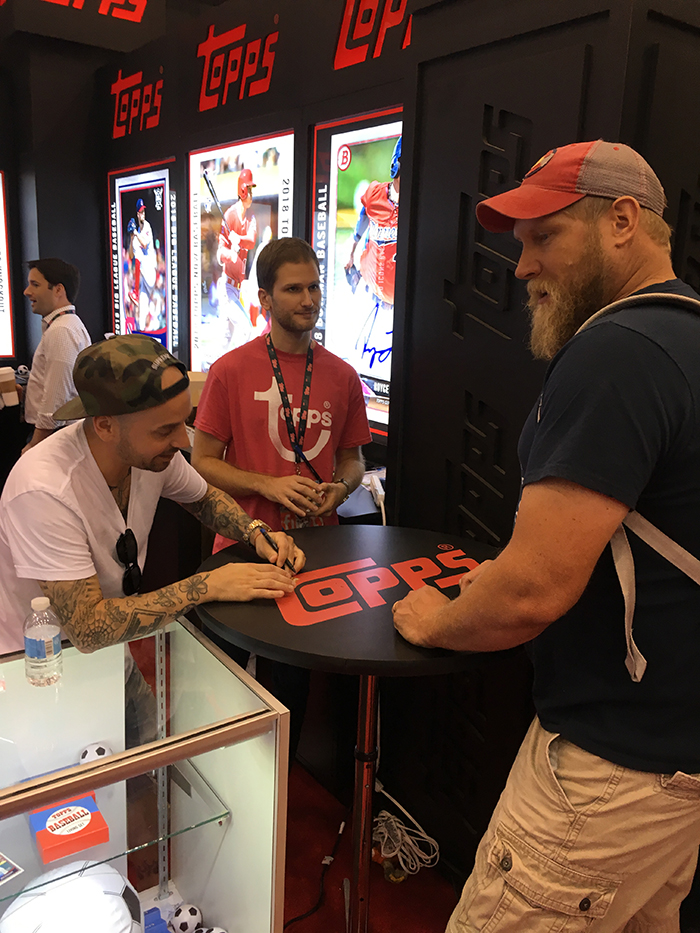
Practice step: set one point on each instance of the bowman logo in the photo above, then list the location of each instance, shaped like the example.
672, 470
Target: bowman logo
227, 62
344, 589
363, 27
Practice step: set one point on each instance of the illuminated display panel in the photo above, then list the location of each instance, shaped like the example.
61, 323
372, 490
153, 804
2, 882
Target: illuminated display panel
143, 254
7, 344
224, 307
354, 196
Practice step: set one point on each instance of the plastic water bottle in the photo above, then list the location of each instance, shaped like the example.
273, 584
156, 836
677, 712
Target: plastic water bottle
43, 660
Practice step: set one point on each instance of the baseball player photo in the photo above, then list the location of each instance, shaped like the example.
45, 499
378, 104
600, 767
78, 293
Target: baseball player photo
241, 197
365, 178
143, 282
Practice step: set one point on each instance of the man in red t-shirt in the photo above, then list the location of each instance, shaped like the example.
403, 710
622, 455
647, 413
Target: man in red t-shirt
242, 440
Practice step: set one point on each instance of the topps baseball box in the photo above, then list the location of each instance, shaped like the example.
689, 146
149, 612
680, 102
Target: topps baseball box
68, 827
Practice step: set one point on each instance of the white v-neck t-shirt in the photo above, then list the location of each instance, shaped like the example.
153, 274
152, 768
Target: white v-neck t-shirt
59, 521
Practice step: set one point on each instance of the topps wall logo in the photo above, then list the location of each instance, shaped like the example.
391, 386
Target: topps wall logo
348, 588
131, 10
365, 25
136, 104
234, 68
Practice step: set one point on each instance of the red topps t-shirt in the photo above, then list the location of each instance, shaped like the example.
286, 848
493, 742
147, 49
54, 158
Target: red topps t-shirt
240, 406
378, 260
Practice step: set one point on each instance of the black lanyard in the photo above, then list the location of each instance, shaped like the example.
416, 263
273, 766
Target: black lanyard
296, 437
60, 314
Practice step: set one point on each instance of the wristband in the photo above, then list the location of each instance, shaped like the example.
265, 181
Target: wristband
347, 488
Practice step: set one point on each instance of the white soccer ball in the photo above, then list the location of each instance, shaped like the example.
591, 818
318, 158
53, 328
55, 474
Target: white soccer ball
186, 919
210, 930
81, 897
94, 752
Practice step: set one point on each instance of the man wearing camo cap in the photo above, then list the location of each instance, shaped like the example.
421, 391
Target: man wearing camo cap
76, 511
599, 823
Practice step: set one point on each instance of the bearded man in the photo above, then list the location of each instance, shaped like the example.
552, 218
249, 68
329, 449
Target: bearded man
599, 823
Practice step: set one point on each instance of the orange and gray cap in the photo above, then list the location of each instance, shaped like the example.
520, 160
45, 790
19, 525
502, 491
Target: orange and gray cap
121, 375
567, 174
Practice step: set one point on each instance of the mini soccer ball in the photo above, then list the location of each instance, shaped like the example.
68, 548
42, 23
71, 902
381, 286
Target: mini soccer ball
186, 918
82, 897
94, 752
210, 930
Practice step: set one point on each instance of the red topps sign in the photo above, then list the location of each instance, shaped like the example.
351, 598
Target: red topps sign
364, 27
348, 588
136, 105
131, 10
227, 62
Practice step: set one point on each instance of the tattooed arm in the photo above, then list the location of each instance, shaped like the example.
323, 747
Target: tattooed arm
218, 511
92, 622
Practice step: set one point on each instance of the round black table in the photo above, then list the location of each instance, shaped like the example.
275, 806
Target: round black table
339, 619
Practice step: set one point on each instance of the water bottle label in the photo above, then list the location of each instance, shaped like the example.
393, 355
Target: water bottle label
42, 650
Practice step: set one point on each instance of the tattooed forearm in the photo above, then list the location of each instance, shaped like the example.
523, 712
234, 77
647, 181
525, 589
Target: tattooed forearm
218, 511
92, 622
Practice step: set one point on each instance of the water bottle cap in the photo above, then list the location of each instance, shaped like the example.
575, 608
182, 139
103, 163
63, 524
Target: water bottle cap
41, 603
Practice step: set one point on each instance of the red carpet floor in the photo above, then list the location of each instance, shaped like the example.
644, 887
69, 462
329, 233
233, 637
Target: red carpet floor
420, 904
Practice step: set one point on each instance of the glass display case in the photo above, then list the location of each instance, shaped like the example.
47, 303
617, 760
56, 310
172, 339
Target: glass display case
187, 767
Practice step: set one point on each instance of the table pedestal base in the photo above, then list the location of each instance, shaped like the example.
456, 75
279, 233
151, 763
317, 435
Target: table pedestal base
365, 767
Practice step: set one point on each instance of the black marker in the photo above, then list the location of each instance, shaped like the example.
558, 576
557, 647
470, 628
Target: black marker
273, 544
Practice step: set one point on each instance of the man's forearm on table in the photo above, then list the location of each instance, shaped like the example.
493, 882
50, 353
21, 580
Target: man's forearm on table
499, 610
92, 622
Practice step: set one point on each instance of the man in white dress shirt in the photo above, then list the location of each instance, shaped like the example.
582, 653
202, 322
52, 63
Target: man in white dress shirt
52, 286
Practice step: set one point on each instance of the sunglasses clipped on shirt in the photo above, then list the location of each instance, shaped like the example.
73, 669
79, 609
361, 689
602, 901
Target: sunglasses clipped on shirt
128, 552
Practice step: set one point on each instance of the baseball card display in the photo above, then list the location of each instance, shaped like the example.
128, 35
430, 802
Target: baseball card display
8, 868
357, 175
143, 255
241, 197
6, 331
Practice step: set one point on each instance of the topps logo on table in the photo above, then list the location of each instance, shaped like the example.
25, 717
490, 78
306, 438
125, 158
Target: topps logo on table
344, 589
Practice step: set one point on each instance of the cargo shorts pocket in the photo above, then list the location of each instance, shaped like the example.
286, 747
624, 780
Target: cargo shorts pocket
681, 785
529, 891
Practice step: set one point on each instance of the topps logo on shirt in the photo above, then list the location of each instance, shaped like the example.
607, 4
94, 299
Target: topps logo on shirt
230, 66
364, 27
136, 104
344, 589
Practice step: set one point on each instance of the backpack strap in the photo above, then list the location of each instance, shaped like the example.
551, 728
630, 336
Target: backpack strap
682, 301
635, 662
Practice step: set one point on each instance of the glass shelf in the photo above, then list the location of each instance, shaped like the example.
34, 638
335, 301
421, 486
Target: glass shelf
198, 806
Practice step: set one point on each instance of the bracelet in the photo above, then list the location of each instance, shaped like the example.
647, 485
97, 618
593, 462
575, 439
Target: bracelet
347, 488
256, 523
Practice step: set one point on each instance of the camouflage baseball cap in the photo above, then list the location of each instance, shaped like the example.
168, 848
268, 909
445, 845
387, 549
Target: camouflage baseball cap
120, 376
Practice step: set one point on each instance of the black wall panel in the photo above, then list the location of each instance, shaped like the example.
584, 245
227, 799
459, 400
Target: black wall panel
483, 116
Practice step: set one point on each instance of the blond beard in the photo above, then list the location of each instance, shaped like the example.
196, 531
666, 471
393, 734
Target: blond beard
568, 305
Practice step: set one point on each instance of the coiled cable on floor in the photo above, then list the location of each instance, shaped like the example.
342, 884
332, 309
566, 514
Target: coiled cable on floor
414, 848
